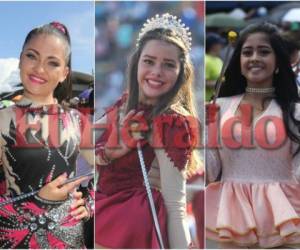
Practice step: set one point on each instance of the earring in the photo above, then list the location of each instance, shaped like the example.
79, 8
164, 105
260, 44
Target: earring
276, 71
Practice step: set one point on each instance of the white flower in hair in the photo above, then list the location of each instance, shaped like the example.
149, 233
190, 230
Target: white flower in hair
169, 22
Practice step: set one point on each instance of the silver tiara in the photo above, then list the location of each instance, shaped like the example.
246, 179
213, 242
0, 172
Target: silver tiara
167, 21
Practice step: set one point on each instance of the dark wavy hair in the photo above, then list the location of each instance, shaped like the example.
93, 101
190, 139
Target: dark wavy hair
63, 91
286, 92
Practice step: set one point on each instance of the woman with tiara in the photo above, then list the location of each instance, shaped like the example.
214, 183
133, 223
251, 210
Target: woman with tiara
159, 93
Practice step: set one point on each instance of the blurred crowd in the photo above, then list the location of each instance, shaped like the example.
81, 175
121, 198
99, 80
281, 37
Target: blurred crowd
117, 27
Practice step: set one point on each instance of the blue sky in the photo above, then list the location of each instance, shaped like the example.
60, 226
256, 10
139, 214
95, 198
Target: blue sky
18, 18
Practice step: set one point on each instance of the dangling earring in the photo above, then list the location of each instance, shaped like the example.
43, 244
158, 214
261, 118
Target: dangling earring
276, 71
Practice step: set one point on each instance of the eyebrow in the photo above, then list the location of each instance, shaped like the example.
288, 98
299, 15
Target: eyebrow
49, 57
260, 47
165, 59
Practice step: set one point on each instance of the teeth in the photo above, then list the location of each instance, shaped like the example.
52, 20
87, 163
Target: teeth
256, 68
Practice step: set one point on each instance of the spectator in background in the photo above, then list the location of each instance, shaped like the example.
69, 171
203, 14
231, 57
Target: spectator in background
292, 38
213, 62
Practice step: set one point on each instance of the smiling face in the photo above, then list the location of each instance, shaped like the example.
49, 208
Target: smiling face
158, 70
43, 66
258, 61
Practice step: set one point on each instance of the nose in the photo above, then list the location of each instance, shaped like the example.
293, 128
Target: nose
157, 70
39, 67
254, 56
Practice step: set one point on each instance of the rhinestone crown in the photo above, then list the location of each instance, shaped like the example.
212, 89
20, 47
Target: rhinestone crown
167, 21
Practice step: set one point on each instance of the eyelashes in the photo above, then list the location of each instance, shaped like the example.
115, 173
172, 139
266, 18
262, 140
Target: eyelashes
263, 52
148, 61
30, 56
54, 64
33, 57
165, 64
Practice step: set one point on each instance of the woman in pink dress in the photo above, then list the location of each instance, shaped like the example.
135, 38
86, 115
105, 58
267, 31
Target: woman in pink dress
253, 199
160, 77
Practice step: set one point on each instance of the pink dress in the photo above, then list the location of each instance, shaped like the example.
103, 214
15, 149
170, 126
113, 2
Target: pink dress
257, 201
122, 212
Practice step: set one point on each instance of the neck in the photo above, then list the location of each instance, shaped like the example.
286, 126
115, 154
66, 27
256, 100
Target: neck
41, 100
147, 101
256, 99
214, 53
260, 90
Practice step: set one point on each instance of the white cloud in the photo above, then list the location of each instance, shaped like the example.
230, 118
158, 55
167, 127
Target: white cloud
9, 76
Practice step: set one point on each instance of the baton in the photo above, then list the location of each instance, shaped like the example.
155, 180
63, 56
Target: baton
232, 35
150, 197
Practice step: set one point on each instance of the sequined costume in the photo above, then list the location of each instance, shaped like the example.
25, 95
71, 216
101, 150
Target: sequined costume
30, 160
123, 217
257, 201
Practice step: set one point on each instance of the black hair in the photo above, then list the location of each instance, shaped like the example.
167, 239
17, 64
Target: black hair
284, 82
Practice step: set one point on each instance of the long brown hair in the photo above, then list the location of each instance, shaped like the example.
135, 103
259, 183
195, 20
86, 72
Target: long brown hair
181, 93
180, 97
